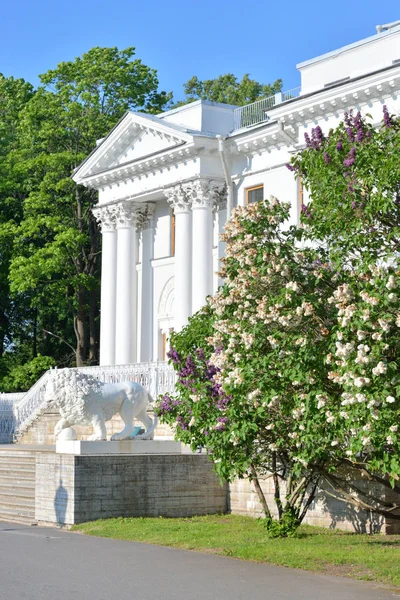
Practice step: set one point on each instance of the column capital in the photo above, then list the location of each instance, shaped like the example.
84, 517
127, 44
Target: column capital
178, 197
127, 214
220, 196
146, 216
106, 217
201, 194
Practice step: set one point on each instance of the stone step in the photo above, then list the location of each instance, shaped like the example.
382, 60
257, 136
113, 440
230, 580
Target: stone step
16, 462
20, 491
14, 502
26, 518
27, 471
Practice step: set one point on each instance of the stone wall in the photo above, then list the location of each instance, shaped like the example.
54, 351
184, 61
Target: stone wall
73, 489
325, 511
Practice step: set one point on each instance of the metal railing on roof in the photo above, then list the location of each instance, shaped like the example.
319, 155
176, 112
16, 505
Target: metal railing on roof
256, 112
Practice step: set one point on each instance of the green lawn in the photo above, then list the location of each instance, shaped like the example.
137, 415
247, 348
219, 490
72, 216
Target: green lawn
369, 557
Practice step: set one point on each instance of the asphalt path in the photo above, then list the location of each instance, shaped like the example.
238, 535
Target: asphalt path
39, 563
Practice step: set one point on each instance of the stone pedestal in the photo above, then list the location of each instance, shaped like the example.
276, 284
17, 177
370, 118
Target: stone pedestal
85, 448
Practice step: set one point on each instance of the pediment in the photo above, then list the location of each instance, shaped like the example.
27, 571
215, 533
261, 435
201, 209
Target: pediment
146, 143
136, 137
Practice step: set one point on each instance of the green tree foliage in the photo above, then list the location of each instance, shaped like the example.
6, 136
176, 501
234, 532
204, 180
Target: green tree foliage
14, 95
49, 239
295, 371
228, 90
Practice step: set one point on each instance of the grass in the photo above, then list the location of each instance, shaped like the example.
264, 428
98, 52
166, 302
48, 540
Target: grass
368, 557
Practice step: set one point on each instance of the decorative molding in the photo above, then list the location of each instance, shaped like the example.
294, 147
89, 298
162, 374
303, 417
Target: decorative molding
146, 216
127, 214
106, 217
220, 196
179, 198
201, 194
167, 297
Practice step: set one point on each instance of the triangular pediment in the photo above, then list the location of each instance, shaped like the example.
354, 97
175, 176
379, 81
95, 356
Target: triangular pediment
136, 137
146, 143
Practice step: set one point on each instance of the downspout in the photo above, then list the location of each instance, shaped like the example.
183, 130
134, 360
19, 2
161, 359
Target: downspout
228, 180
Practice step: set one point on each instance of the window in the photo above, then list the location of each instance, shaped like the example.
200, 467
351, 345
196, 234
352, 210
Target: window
254, 194
165, 343
173, 234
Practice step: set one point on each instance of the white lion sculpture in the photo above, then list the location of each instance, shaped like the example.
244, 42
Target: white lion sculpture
82, 400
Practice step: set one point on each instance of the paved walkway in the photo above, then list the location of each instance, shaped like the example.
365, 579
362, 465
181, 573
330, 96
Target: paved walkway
48, 564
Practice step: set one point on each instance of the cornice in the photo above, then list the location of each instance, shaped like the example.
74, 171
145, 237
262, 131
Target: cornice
153, 164
282, 128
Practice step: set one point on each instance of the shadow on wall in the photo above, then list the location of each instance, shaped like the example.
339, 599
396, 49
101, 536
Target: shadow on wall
342, 512
60, 504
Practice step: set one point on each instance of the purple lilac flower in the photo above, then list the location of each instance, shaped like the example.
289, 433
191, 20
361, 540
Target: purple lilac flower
200, 353
174, 356
189, 369
387, 119
165, 405
222, 422
327, 158
317, 137
339, 146
350, 134
182, 423
359, 135
350, 160
290, 167
308, 141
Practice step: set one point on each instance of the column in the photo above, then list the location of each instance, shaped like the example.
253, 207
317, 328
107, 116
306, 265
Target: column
106, 217
180, 202
146, 300
202, 264
126, 302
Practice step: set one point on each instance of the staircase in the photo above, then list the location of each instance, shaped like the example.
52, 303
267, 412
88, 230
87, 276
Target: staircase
17, 485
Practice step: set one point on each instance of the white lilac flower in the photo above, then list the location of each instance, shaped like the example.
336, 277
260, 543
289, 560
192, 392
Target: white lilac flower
393, 428
380, 369
391, 284
361, 381
334, 443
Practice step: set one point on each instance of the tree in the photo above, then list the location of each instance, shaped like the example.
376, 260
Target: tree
14, 95
57, 242
228, 90
292, 368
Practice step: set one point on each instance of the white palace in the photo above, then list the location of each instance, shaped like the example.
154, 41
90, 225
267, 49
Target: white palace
166, 184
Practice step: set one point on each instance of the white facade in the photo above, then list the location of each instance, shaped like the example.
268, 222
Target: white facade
165, 182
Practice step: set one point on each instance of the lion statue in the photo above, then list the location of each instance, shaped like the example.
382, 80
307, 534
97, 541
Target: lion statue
83, 400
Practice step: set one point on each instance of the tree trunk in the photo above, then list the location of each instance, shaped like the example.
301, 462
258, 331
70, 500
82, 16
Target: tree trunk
260, 493
35, 327
81, 328
93, 329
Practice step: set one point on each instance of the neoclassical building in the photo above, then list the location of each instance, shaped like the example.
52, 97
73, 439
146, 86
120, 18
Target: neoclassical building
167, 183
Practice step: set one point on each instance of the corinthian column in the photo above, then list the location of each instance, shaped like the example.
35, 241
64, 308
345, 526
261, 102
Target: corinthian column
146, 301
202, 196
106, 217
126, 301
178, 199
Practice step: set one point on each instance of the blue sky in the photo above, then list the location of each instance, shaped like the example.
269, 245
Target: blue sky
182, 38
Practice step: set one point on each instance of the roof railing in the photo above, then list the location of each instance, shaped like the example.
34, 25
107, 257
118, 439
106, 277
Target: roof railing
256, 112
